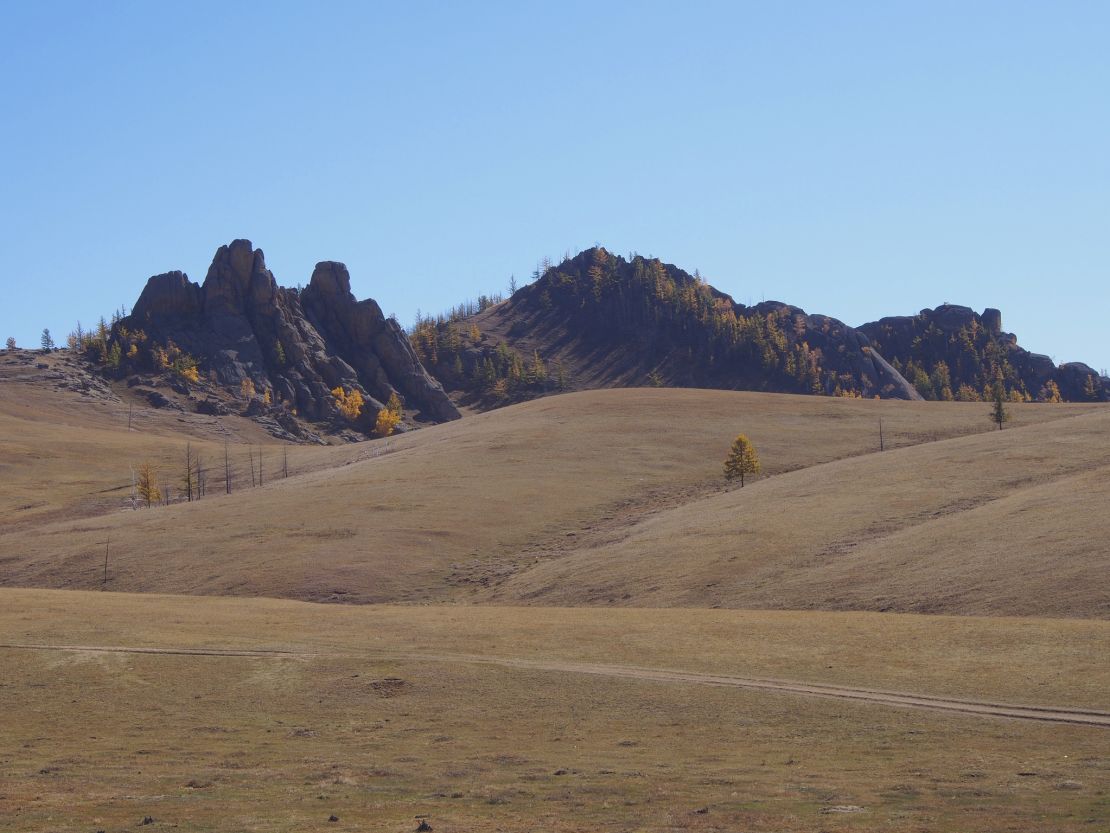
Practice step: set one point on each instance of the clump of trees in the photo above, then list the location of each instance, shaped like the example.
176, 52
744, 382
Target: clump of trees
349, 403
10, 344
459, 354
963, 365
1050, 392
116, 346
389, 416
742, 460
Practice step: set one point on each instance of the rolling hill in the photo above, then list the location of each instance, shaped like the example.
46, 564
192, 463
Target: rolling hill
594, 497
541, 650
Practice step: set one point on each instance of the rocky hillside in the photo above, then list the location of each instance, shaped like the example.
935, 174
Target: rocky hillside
599, 320
952, 352
281, 351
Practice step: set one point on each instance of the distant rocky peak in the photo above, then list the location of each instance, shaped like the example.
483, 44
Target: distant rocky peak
242, 326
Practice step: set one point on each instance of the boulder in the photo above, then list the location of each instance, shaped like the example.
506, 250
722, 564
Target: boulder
159, 400
212, 407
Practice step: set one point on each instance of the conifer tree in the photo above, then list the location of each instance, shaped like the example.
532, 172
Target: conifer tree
1050, 392
147, 485
389, 416
998, 413
742, 460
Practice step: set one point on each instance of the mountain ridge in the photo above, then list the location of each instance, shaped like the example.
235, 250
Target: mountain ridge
599, 319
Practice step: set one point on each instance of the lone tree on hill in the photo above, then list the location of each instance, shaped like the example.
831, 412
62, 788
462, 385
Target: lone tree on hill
742, 459
999, 413
10, 343
46, 341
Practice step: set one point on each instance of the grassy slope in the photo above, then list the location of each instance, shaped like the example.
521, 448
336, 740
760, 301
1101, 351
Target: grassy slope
1003, 522
350, 728
64, 456
453, 507
358, 726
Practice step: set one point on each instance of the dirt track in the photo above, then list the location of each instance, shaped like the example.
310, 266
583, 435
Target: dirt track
1049, 714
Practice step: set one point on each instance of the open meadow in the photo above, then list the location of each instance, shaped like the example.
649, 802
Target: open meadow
574, 625
232, 714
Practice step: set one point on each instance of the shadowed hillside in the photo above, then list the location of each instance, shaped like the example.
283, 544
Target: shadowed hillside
599, 320
952, 352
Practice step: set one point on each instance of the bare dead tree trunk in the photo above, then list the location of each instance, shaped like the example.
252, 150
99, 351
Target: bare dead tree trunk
189, 472
254, 482
104, 583
285, 461
227, 470
202, 477
882, 446
260, 465
129, 407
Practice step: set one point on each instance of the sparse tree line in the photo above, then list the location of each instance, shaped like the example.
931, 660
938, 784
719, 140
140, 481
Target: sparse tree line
686, 318
192, 477
968, 366
459, 355
684, 325
349, 404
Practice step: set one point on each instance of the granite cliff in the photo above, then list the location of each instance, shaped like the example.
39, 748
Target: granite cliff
242, 331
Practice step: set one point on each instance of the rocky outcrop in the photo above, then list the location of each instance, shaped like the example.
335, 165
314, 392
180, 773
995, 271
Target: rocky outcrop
374, 345
298, 346
970, 351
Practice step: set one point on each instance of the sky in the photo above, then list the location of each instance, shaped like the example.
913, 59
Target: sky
856, 159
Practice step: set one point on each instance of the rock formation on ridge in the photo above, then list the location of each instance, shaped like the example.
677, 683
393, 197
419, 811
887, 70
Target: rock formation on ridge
950, 348
295, 346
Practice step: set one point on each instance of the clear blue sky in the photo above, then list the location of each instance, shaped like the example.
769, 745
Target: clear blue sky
858, 159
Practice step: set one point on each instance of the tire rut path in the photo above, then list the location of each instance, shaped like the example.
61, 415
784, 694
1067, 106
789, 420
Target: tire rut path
1050, 714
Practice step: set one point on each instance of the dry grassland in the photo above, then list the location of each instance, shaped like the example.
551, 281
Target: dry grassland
446, 512
354, 722
64, 456
1010, 522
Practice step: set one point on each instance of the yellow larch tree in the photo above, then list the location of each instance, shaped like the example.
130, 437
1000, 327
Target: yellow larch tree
349, 402
389, 416
742, 459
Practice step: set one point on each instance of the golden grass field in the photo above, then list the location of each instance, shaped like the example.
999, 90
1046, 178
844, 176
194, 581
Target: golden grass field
379, 714
565, 620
